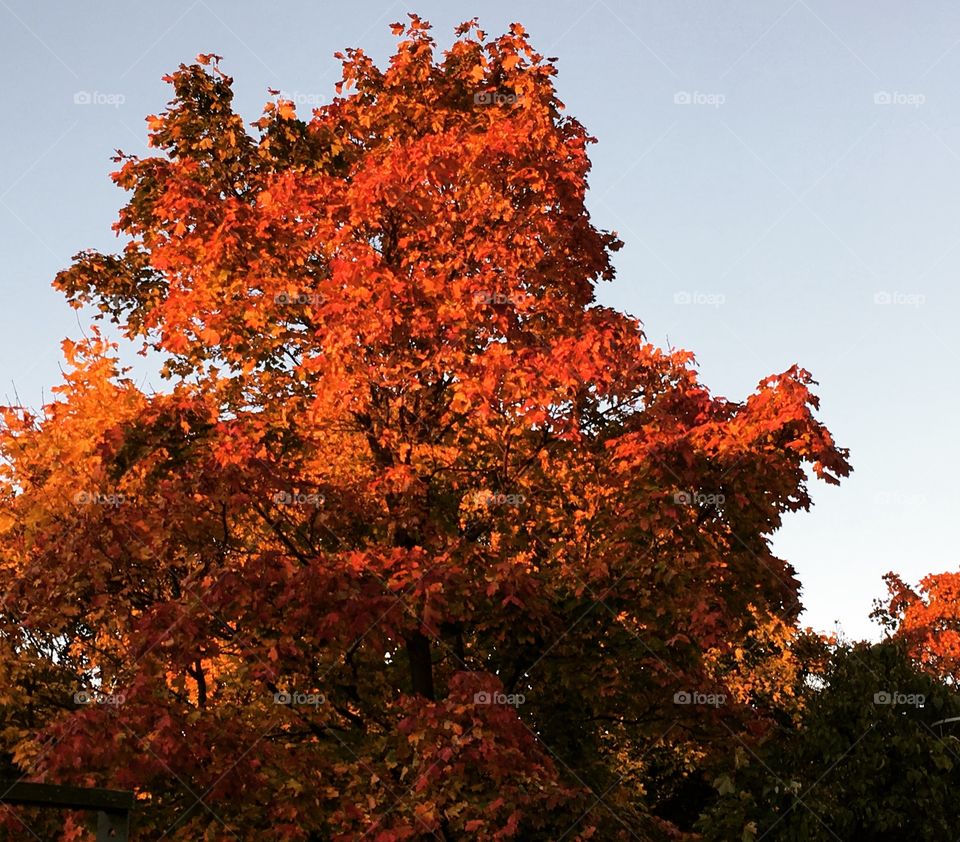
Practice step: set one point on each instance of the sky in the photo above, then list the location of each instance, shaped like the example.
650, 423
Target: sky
784, 174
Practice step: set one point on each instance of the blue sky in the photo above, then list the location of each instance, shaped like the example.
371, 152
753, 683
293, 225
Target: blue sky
785, 175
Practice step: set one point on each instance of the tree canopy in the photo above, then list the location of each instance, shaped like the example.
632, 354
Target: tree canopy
420, 541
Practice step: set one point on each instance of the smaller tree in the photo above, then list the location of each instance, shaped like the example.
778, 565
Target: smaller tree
927, 620
864, 762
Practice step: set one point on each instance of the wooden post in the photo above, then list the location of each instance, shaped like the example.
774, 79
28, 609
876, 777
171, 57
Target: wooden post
113, 826
113, 806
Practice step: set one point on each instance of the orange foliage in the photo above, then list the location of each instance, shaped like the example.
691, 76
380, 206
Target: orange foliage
405, 459
927, 620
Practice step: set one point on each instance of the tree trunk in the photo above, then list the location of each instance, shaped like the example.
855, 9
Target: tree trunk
421, 664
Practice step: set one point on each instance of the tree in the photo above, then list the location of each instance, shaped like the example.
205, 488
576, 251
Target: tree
926, 620
864, 761
421, 542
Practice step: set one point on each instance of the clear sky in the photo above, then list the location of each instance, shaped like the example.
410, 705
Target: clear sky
784, 172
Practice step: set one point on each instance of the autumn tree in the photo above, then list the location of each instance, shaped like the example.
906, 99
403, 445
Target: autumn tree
865, 760
420, 541
926, 619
